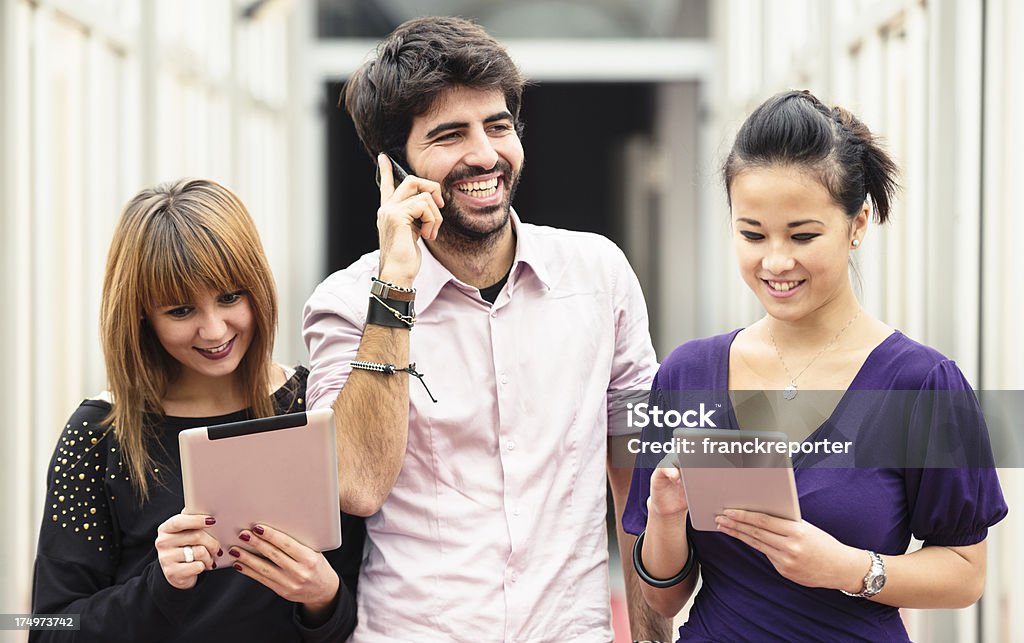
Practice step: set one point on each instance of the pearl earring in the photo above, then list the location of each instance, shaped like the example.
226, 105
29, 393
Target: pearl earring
856, 243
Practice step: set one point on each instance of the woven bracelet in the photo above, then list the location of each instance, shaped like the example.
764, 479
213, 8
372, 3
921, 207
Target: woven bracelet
391, 369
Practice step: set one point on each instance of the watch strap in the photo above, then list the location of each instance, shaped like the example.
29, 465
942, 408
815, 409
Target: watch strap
386, 290
873, 581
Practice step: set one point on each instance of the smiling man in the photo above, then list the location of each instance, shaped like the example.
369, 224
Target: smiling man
486, 510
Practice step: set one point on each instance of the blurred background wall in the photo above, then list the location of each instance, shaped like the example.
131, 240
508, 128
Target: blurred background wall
631, 110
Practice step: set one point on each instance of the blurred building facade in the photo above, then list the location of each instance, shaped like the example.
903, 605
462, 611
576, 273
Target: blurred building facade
633, 101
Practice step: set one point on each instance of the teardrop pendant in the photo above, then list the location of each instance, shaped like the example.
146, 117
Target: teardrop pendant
789, 392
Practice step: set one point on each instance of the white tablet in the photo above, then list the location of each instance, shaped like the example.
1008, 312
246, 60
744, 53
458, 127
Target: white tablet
279, 471
725, 469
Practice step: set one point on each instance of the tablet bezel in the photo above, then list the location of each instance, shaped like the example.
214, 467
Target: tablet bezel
280, 471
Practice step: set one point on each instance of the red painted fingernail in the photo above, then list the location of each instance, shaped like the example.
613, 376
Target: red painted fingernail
258, 530
237, 566
244, 536
220, 552
215, 565
234, 552
210, 520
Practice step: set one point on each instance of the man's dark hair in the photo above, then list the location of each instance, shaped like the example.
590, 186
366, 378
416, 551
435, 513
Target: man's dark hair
418, 61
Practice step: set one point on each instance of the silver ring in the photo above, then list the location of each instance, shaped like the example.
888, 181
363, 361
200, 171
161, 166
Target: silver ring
189, 554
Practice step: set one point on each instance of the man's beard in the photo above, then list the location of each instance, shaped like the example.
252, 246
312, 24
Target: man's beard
477, 230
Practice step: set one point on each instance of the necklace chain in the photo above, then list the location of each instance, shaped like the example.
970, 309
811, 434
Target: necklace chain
791, 389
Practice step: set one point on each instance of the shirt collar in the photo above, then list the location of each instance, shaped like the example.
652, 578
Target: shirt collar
433, 276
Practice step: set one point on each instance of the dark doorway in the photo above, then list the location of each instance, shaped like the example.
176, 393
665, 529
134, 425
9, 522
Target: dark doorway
573, 175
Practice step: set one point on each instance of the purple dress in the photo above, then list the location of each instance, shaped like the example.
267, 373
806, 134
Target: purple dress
742, 597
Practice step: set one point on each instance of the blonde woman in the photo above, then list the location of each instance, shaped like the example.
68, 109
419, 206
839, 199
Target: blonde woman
188, 319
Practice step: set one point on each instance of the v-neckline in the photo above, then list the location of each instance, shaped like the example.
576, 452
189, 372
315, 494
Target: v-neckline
813, 435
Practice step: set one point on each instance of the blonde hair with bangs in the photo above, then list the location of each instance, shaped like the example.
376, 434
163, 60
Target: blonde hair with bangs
172, 242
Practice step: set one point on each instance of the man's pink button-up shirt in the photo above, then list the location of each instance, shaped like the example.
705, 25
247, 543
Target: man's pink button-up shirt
495, 529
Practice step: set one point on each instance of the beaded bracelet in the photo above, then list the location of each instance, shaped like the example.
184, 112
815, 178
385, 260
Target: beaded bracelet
391, 369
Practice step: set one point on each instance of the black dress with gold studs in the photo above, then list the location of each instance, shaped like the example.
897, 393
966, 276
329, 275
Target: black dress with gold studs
96, 554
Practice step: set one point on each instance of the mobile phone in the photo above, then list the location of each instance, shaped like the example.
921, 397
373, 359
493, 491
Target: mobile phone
398, 173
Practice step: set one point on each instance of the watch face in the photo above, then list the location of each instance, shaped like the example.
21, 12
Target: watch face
875, 584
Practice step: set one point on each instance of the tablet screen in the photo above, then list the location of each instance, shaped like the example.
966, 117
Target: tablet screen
726, 469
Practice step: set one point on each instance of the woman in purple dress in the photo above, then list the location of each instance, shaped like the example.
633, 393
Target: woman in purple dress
802, 181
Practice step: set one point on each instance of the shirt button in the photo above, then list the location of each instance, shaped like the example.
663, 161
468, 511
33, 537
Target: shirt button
515, 577
511, 445
504, 378
515, 511
494, 313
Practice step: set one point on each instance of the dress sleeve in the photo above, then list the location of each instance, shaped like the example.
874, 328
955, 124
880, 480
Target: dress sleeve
77, 557
634, 516
338, 627
953, 491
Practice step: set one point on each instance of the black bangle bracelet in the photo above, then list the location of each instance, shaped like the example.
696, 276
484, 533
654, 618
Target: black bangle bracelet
645, 576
